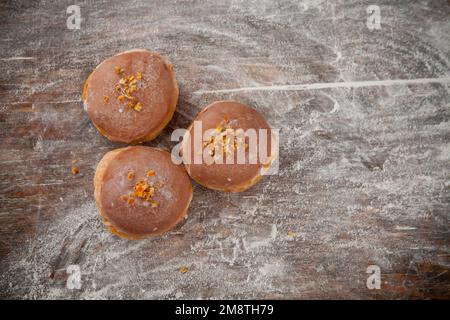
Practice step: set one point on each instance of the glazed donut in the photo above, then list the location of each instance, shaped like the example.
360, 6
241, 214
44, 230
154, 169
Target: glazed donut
132, 96
224, 119
140, 192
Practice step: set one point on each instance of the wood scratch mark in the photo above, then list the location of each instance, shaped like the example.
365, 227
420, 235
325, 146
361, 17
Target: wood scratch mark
438, 275
331, 85
408, 270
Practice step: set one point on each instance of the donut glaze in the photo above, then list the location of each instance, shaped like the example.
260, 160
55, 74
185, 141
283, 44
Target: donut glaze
226, 177
113, 111
115, 181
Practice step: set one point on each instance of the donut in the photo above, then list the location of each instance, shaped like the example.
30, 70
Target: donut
224, 120
132, 96
140, 192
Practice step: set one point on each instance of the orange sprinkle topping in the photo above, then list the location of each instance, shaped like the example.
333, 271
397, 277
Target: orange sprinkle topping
118, 70
106, 99
224, 137
143, 190
75, 170
138, 106
126, 87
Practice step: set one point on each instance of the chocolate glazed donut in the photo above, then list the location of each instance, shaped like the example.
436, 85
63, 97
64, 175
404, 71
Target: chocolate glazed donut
132, 96
221, 117
140, 192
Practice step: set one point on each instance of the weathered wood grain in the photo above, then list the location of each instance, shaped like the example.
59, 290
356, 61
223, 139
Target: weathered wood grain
364, 170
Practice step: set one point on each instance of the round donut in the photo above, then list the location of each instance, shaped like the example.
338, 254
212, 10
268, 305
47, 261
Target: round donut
132, 96
224, 119
140, 192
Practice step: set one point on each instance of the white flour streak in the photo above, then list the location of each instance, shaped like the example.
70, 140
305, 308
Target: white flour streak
61, 101
252, 244
331, 85
17, 58
404, 228
46, 102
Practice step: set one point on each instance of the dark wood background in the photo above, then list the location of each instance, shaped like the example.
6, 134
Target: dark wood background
364, 173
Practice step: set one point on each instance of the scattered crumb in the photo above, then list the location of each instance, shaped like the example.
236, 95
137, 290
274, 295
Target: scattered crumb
75, 170
291, 234
184, 269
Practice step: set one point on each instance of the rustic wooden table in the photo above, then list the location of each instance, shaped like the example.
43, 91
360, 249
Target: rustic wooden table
364, 177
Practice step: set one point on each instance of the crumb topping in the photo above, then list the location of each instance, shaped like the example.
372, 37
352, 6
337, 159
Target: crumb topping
224, 138
126, 88
142, 190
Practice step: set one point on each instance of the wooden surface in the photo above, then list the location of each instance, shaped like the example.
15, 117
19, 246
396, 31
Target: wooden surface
364, 173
